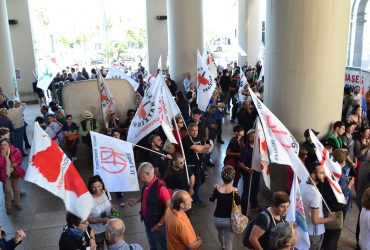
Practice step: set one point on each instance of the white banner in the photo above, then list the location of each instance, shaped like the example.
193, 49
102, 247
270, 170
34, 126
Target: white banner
46, 71
206, 84
356, 77
115, 163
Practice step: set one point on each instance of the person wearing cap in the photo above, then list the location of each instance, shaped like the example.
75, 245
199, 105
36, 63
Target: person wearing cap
88, 124
307, 144
335, 136
346, 182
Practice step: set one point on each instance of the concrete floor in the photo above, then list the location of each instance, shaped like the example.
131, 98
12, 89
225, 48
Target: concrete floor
43, 215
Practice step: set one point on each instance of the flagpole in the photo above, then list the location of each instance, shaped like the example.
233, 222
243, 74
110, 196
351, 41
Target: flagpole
136, 145
178, 135
249, 193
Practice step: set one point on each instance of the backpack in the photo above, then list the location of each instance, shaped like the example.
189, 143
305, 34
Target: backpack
248, 231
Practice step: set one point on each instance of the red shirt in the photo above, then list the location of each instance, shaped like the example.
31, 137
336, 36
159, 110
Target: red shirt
164, 196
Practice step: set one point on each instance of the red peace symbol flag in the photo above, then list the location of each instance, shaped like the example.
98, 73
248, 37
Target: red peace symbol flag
333, 171
282, 147
206, 84
156, 109
51, 169
208, 59
106, 98
115, 163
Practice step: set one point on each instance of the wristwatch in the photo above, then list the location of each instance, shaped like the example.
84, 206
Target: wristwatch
160, 224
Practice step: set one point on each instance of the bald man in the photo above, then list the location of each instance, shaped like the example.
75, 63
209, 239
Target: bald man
114, 235
180, 234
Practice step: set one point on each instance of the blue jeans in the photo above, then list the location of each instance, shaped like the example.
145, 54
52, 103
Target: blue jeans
157, 240
17, 138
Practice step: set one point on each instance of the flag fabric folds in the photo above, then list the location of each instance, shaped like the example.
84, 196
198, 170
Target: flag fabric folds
156, 109
107, 101
243, 83
282, 147
296, 214
118, 72
260, 160
46, 71
206, 84
115, 163
333, 171
51, 169
208, 59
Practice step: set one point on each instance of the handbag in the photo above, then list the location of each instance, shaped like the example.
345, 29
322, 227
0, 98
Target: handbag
337, 224
238, 221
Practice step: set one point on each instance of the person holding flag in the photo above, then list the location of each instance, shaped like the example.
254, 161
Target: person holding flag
312, 202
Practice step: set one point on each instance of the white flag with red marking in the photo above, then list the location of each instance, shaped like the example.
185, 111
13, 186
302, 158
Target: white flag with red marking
155, 110
46, 71
115, 163
282, 147
260, 159
51, 169
333, 171
107, 101
242, 85
209, 60
150, 80
206, 84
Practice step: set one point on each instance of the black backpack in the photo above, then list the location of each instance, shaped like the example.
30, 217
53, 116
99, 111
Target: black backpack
248, 231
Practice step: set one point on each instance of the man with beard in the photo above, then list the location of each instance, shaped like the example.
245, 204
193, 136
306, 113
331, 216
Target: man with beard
312, 202
160, 162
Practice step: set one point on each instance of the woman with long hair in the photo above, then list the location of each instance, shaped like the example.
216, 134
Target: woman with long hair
99, 216
11, 171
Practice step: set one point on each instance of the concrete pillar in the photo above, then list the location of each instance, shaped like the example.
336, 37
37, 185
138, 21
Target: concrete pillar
254, 30
359, 34
157, 33
185, 36
306, 44
242, 30
22, 43
7, 70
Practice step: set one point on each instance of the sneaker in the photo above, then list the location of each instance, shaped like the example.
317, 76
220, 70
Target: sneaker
122, 204
220, 141
18, 207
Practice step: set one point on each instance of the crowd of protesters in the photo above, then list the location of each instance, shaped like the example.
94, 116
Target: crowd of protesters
172, 186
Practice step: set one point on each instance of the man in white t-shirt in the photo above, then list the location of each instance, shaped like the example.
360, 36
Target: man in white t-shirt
312, 202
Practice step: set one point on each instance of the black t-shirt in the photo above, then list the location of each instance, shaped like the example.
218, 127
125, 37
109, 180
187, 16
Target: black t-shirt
266, 224
224, 83
202, 125
234, 147
311, 155
176, 179
159, 161
191, 156
224, 203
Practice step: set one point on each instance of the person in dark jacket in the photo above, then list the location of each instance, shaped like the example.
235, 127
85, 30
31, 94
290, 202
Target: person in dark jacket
12, 243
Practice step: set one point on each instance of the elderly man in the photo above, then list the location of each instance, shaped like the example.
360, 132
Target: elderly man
179, 231
114, 236
187, 81
87, 125
155, 199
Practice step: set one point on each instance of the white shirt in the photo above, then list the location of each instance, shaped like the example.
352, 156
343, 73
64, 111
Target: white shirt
187, 83
356, 97
102, 208
364, 240
312, 199
16, 116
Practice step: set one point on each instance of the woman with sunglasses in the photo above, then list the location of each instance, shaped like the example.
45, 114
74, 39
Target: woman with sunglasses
11, 171
180, 125
101, 211
77, 234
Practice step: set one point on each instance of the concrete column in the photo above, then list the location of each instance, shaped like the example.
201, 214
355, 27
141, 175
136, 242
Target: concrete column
359, 33
242, 30
7, 70
185, 36
22, 43
254, 29
306, 44
157, 33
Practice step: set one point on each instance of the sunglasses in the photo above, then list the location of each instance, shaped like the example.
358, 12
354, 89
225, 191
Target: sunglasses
181, 122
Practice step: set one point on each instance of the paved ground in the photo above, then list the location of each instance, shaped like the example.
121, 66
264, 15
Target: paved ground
43, 216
